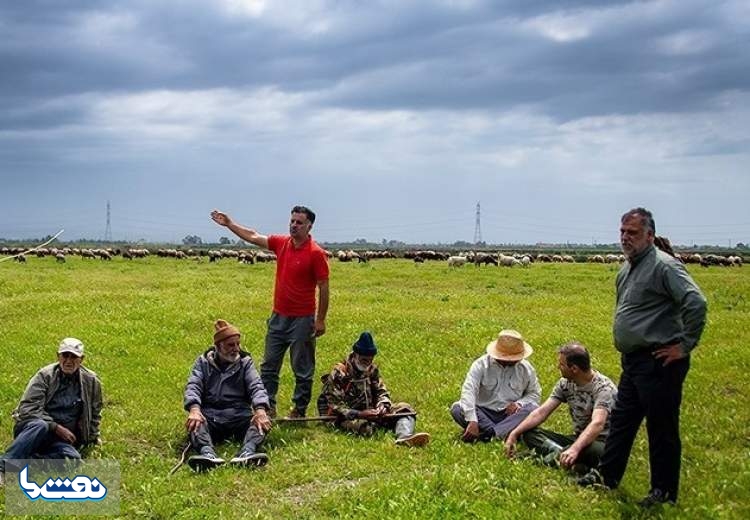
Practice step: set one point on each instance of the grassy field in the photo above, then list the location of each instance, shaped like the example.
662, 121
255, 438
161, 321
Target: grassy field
144, 322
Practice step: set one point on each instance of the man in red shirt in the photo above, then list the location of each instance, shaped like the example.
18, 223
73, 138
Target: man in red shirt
301, 266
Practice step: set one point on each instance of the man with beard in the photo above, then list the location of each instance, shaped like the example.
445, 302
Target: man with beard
590, 397
225, 399
301, 266
659, 317
60, 411
356, 394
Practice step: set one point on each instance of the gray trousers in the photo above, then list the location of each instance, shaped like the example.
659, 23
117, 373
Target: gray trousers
212, 432
492, 423
297, 335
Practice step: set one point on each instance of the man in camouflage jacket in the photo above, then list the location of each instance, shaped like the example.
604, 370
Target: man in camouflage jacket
356, 394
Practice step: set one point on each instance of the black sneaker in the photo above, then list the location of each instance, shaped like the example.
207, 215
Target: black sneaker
591, 479
249, 458
204, 462
656, 497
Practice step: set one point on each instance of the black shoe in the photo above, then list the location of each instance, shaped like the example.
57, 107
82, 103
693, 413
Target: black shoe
204, 462
591, 479
249, 458
656, 497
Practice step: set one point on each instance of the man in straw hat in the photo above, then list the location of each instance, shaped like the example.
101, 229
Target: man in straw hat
60, 410
500, 390
225, 398
590, 397
357, 395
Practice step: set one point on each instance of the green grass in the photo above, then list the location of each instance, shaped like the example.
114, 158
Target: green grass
144, 322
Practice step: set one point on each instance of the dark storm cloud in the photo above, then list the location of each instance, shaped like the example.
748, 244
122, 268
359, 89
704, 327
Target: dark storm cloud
417, 55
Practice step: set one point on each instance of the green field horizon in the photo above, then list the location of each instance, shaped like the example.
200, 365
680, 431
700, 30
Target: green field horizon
144, 322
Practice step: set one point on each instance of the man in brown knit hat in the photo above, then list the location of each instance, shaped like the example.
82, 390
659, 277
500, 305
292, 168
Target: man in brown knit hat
225, 399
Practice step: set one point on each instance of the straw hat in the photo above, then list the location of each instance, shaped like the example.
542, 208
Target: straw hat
509, 346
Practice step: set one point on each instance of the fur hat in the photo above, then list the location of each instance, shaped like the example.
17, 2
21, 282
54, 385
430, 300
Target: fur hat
224, 330
365, 345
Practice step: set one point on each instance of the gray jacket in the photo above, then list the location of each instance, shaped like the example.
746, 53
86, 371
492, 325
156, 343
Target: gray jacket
42, 388
228, 395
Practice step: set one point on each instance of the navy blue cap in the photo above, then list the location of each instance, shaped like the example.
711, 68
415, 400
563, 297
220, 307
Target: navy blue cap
365, 345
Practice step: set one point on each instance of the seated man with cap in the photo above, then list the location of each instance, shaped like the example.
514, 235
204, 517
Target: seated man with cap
500, 390
225, 398
355, 393
60, 410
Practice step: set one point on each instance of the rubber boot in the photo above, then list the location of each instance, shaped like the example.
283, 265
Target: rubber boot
405, 435
551, 451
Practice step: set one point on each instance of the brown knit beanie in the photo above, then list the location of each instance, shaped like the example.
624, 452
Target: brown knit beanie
224, 330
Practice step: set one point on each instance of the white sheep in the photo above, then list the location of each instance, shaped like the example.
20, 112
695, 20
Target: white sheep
456, 261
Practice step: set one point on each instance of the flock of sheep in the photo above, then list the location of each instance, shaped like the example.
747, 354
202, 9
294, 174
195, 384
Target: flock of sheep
502, 259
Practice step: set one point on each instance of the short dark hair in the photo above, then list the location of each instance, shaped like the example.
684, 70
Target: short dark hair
307, 211
645, 215
576, 354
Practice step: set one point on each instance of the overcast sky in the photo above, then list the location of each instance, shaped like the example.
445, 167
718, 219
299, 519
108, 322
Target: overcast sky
391, 119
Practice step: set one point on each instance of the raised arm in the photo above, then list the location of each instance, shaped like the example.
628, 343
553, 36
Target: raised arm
246, 234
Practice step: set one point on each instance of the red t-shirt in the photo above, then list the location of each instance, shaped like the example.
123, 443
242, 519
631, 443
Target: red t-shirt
298, 271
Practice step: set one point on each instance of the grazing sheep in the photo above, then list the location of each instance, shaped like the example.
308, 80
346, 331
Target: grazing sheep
508, 261
21, 259
60, 258
456, 261
525, 261
484, 258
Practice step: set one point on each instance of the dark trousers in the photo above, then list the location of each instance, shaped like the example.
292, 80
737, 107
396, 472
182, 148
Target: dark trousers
647, 389
212, 432
32, 439
492, 423
536, 439
297, 335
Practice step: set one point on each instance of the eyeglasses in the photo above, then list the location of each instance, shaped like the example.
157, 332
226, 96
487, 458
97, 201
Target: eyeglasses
68, 355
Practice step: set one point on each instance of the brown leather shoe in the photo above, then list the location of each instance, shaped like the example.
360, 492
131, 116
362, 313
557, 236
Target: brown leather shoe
414, 440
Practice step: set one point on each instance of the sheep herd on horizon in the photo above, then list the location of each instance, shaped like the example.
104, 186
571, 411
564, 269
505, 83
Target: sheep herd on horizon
453, 259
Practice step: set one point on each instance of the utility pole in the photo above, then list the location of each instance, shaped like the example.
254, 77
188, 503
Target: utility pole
108, 229
478, 227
